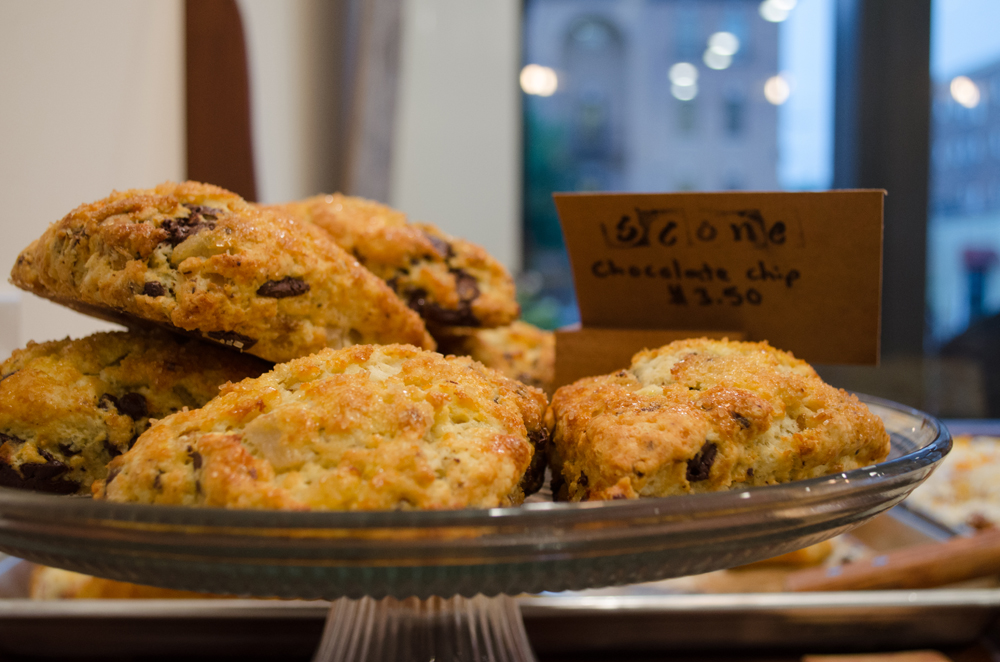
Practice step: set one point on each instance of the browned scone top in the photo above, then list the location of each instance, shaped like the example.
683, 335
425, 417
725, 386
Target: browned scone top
68, 406
520, 351
362, 428
449, 281
200, 259
703, 415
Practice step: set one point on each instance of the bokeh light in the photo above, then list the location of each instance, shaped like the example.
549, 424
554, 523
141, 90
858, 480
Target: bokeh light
777, 90
684, 92
716, 60
964, 91
776, 11
539, 80
683, 74
724, 43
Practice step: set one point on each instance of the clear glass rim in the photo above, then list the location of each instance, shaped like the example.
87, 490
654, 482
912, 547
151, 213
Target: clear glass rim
546, 514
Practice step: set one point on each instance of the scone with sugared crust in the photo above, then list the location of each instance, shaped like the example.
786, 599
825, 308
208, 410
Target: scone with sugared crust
68, 406
703, 415
449, 281
520, 351
362, 428
200, 259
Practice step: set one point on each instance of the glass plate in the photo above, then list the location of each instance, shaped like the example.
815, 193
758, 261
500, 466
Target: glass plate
533, 548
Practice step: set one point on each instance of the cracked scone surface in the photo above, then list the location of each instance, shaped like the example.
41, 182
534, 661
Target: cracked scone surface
362, 428
703, 415
198, 258
520, 351
68, 406
449, 281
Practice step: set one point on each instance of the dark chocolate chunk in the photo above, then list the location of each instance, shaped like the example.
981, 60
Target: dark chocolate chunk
4, 438
133, 405
68, 450
441, 247
111, 449
112, 474
741, 419
39, 476
210, 213
465, 285
107, 401
232, 339
280, 289
699, 466
179, 229
436, 314
195, 458
153, 289
750, 472
584, 481
534, 476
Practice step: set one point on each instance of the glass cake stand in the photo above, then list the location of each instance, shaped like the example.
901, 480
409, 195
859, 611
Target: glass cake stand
384, 569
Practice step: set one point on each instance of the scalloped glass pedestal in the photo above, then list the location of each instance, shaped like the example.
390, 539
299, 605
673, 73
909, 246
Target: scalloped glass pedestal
537, 547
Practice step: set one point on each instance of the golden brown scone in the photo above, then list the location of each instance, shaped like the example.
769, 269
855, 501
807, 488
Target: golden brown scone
520, 351
57, 584
68, 406
198, 258
449, 281
704, 415
362, 428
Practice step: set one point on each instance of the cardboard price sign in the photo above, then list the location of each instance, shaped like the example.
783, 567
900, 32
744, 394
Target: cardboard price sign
800, 270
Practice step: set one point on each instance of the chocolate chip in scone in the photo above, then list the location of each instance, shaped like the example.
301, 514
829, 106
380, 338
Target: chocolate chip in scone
286, 287
465, 285
153, 289
4, 438
112, 474
39, 476
68, 450
232, 339
204, 211
441, 247
133, 405
111, 449
741, 419
107, 401
534, 476
195, 458
179, 229
436, 314
700, 465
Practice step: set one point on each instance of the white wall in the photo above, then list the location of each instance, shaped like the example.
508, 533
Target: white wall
92, 100
457, 155
293, 101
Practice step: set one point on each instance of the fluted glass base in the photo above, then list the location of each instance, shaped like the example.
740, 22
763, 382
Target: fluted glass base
443, 630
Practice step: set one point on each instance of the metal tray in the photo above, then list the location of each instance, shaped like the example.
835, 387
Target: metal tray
641, 617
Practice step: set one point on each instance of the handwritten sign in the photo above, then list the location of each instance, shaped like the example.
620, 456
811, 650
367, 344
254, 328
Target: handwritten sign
801, 270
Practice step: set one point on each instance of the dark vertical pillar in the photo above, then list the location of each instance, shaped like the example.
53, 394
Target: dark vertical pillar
882, 140
219, 144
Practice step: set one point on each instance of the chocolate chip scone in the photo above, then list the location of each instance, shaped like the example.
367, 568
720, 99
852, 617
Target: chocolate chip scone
68, 406
520, 351
362, 428
449, 281
199, 259
703, 415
